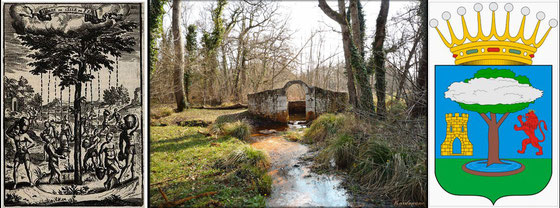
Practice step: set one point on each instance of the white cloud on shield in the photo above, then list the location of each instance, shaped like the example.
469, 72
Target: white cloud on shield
492, 91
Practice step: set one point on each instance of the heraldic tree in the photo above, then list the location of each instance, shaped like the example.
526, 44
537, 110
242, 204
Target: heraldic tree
491, 92
67, 44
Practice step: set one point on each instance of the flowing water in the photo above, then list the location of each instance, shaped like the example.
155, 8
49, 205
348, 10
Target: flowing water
294, 184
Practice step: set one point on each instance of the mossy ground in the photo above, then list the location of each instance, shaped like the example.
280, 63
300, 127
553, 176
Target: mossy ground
186, 163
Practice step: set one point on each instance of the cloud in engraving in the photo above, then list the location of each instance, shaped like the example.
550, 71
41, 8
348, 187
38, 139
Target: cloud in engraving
36, 18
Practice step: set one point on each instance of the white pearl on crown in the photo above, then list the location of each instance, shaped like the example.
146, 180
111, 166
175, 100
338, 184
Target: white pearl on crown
525, 11
433, 23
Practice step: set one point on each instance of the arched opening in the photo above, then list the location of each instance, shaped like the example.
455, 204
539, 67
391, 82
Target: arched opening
295, 94
457, 146
14, 104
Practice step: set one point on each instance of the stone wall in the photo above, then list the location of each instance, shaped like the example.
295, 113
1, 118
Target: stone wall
273, 104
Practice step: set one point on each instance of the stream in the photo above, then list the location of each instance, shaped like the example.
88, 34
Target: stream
294, 184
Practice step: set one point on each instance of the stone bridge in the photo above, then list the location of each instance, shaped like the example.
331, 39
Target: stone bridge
274, 105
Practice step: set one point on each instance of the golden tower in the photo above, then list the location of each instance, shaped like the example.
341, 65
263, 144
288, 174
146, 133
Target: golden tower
456, 128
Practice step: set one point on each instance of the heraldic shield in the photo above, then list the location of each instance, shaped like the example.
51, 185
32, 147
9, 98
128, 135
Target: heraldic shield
493, 111
487, 149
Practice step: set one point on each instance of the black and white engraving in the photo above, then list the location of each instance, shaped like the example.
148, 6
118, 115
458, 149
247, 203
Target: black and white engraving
72, 105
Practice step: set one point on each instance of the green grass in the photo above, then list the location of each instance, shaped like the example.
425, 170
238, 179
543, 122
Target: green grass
161, 115
454, 180
238, 129
186, 163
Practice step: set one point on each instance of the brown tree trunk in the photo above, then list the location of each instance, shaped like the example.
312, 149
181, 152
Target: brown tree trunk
340, 18
379, 57
493, 144
355, 20
420, 103
493, 137
178, 73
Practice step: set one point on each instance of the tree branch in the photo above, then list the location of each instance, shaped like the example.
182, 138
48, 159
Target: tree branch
331, 13
503, 118
485, 117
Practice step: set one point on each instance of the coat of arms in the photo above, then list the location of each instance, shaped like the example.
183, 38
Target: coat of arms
493, 108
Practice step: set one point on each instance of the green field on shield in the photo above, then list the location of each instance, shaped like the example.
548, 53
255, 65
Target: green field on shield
532, 180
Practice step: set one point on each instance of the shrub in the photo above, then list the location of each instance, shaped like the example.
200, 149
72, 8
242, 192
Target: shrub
245, 156
324, 127
387, 156
250, 165
343, 150
239, 129
293, 136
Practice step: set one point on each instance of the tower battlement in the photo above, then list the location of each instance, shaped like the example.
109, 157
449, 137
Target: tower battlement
456, 129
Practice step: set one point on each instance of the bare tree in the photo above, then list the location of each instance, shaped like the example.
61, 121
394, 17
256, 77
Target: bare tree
340, 18
179, 58
420, 106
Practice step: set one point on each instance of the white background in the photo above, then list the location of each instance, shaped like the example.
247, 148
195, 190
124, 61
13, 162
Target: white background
439, 54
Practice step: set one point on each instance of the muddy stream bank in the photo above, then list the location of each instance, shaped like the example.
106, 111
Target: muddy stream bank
294, 184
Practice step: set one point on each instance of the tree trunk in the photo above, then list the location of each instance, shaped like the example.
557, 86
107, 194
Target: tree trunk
77, 128
340, 18
379, 57
352, 89
493, 144
493, 137
356, 26
420, 103
178, 73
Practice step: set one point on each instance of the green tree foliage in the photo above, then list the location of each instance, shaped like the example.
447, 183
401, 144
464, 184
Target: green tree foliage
504, 73
191, 47
116, 95
213, 39
155, 19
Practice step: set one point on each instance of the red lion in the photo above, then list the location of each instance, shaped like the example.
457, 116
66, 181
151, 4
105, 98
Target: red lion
529, 127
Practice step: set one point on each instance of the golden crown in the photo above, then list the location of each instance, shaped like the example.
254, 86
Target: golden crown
493, 49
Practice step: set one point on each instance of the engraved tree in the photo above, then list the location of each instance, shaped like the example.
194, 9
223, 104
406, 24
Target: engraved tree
491, 92
67, 44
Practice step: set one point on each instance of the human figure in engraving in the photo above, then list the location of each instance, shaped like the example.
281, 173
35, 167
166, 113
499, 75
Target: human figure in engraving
91, 144
22, 142
110, 163
126, 151
105, 123
52, 157
65, 135
49, 133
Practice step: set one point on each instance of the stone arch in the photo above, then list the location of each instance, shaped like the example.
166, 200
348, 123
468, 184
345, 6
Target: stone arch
273, 104
298, 106
293, 82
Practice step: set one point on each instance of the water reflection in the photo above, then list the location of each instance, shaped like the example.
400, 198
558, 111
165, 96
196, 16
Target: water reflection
293, 182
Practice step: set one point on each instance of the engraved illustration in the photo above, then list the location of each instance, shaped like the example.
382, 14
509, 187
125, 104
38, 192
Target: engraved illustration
72, 103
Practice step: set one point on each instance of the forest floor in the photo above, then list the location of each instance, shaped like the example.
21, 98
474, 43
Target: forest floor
163, 115
185, 162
